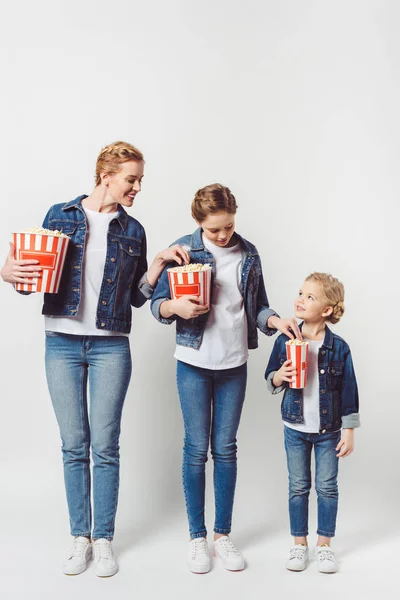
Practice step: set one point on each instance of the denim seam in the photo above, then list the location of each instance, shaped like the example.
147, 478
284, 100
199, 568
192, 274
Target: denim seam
86, 472
325, 533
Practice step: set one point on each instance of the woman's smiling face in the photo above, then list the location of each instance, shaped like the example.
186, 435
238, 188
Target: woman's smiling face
126, 183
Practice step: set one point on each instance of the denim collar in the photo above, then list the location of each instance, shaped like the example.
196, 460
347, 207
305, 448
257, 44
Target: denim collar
328, 339
197, 243
122, 216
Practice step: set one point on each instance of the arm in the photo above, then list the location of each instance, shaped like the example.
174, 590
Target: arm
273, 374
350, 405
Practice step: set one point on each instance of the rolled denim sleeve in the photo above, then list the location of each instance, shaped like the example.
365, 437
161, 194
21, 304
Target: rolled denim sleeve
349, 395
264, 312
274, 364
160, 295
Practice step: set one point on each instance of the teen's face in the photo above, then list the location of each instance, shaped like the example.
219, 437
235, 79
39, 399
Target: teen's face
219, 228
124, 185
311, 304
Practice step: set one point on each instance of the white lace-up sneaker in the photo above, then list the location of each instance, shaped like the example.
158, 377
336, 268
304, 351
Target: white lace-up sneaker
198, 556
231, 558
104, 561
78, 556
298, 558
326, 560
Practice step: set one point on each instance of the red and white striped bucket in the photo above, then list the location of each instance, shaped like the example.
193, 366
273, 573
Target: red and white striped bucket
50, 251
190, 283
298, 355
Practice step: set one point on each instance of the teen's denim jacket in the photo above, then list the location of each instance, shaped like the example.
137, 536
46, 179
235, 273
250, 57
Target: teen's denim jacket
189, 332
338, 394
124, 280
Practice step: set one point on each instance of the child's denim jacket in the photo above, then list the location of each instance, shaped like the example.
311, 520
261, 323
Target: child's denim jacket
338, 394
189, 332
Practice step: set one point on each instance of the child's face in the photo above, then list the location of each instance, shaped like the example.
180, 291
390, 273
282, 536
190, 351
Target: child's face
219, 228
311, 304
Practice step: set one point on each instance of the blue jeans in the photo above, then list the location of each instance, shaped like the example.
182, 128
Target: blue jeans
298, 446
211, 402
106, 361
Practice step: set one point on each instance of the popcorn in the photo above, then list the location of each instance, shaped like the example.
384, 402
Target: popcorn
191, 280
191, 268
297, 353
50, 249
43, 231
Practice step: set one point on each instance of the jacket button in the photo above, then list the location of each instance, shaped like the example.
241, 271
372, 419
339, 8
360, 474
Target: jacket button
322, 371
324, 412
333, 371
103, 324
104, 302
323, 431
113, 240
322, 352
323, 391
109, 280
112, 259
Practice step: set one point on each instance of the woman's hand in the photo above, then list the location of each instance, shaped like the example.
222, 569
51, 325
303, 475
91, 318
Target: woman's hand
286, 326
19, 271
186, 307
346, 444
285, 373
175, 253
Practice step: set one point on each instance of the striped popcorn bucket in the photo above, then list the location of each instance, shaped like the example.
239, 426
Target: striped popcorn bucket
50, 251
191, 283
298, 355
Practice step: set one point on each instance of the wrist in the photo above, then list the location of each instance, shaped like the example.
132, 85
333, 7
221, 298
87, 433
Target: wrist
272, 322
276, 380
167, 308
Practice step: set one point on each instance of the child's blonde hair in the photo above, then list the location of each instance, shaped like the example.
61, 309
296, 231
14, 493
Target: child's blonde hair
113, 156
212, 199
334, 293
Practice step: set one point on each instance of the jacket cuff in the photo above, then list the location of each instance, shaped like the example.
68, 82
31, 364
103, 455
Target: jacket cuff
351, 421
155, 309
144, 287
262, 320
271, 387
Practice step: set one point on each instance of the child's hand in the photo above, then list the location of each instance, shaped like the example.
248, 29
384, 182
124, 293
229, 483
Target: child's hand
285, 373
346, 444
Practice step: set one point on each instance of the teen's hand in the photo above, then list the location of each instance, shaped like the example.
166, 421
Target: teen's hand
285, 373
175, 253
286, 326
186, 307
19, 271
346, 444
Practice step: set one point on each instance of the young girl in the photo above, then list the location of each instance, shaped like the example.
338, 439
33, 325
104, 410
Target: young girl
87, 325
315, 416
212, 350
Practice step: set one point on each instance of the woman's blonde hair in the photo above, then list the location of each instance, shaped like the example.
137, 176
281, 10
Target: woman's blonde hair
212, 199
334, 293
113, 156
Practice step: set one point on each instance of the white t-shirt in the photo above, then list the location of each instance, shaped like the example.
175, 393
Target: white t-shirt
224, 344
93, 270
310, 392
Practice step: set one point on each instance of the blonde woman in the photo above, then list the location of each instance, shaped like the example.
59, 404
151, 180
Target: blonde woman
87, 325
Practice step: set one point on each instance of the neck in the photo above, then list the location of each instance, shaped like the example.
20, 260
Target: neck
314, 331
100, 200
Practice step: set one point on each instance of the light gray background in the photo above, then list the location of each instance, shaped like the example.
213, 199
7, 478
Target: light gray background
292, 104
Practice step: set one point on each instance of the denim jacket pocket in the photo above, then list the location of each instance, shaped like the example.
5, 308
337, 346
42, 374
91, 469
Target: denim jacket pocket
335, 375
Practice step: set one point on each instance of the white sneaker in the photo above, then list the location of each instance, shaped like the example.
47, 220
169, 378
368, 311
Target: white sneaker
298, 558
326, 560
104, 561
198, 556
78, 556
231, 558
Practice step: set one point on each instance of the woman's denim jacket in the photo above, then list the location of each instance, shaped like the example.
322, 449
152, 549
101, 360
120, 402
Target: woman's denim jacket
124, 280
338, 394
189, 332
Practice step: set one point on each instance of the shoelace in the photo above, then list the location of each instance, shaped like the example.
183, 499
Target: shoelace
228, 546
78, 548
102, 549
297, 553
325, 555
199, 547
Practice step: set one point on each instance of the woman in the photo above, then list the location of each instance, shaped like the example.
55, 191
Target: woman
87, 325
212, 351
